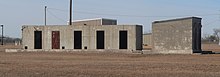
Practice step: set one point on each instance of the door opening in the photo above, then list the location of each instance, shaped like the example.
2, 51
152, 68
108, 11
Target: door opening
123, 40
100, 40
77, 39
37, 39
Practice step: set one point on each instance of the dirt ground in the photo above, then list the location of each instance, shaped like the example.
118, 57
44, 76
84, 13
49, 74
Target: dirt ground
211, 47
2, 48
78, 64
81, 64
205, 47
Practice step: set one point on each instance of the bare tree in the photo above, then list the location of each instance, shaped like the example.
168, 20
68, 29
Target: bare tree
217, 34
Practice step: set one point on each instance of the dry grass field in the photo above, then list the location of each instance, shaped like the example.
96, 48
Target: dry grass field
80, 64
45, 64
205, 47
2, 48
211, 47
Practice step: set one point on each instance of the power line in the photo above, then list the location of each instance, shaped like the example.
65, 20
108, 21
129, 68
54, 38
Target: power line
124, 15
82, 12
56, 16
58, 9
212, 22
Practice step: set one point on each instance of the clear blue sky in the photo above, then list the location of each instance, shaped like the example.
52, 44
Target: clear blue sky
15, 13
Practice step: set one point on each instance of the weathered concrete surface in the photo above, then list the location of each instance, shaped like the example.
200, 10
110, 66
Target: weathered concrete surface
72, 50
95, 22
88, 36
177, 36
147, 39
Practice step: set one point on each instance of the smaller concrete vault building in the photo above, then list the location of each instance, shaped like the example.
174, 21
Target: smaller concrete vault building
90, 34
177, 36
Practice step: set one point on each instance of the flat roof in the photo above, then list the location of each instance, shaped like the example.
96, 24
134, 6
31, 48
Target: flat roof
93, 19
177, 19
147, 34
68, 25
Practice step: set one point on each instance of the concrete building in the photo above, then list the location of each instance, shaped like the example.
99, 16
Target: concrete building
147, 39
177, 36
94, 34
95, 22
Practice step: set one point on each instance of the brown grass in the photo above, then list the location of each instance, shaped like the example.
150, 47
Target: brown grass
2, 48
79, 64
43, 64
205, 47
211, 47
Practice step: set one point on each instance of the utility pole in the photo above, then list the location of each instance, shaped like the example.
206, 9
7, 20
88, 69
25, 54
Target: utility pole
70, 21
2, 35
45, 10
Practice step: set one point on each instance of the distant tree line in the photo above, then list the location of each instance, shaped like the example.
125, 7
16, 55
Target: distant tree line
213, 38
7, 39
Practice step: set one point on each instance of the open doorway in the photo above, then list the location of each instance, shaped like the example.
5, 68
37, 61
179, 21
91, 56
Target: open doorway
77, 39
123, 40
100, 42
37, 39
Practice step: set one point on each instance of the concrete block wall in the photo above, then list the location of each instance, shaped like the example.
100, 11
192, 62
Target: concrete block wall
95, 22
147, 39
174, 36
88, 36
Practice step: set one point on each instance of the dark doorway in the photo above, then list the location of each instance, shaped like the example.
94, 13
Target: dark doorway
77, 39
100, 42
55, 40
37, 39
196, 40
123, 40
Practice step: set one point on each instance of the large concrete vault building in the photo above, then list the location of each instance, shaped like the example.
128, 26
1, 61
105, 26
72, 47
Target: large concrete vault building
177, 36
92, 34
